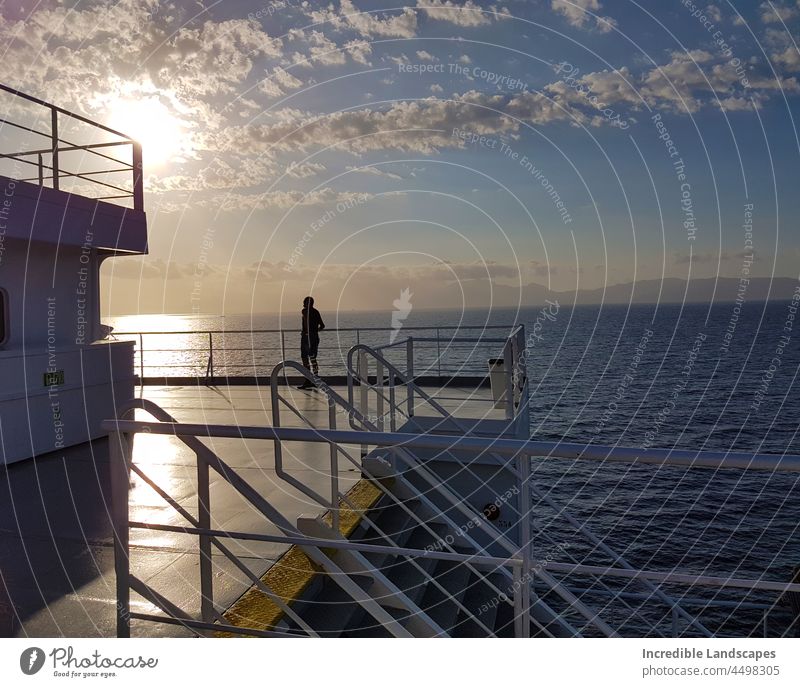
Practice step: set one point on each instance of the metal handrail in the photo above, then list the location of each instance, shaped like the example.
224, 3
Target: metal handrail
353, 413
188, 431
135, 193
209, 350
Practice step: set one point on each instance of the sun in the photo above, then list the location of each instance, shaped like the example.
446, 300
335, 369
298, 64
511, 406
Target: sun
150, 122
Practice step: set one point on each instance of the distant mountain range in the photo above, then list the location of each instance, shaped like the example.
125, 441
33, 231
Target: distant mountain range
671, 290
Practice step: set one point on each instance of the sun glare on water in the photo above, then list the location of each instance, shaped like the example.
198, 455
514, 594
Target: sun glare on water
147, 120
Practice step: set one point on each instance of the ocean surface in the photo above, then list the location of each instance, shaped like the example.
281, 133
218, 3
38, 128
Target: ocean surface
721, 377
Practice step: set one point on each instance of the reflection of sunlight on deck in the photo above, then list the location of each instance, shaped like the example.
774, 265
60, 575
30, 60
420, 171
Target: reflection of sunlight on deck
158, 457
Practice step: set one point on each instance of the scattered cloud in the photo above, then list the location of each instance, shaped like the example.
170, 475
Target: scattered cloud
583, 14
466, 14
367, 24
778, 12
374, 171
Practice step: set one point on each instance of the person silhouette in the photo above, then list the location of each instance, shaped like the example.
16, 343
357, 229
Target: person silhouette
312, 325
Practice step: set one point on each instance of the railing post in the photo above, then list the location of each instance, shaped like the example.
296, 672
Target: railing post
439, 353
210, 365
363, 390
334, 470
379, 395
410, 376
283, 345
508, 363
204, 518
54, 144
519, 614
392, 403
141, 359
525, 538
119, 453
138, 177
41, 170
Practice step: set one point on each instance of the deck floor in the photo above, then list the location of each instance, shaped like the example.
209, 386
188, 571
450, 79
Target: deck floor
56, 554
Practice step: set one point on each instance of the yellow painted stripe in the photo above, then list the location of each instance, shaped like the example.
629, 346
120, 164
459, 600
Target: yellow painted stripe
293, 572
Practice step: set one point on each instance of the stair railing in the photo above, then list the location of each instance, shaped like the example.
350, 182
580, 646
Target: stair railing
516, 410
523, 590
358, 419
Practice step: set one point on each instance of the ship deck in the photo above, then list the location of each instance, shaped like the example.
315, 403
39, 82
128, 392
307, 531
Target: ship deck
56, 549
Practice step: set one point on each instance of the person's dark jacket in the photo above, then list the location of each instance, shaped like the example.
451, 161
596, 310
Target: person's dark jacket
312, 323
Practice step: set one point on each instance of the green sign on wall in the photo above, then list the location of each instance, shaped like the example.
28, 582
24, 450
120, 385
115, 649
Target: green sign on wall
55, 378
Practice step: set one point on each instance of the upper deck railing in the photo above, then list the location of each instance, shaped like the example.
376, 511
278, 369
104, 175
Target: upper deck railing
51, 159
445, 351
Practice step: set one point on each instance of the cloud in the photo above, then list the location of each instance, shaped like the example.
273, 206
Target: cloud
374, 171
784, 51
778, 12
714, 13
467, 14
689, 82
281, 200
237, 172
422, 126
367, 24
582, 14
279, 82
303, 170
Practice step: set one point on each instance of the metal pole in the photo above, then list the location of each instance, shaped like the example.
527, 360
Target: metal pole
211, 354
439, 352
334, 470
526, 538
138, 180
520, 619
141, 359
508, 362
204, 518
363, 372
119, 452
283, 345
379, 397
410, 376
392, 403
54, 144
41, 171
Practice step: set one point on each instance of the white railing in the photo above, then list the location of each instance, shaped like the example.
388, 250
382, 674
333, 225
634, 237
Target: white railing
388, 376
370, 423
523, 575
520, 451
212, 354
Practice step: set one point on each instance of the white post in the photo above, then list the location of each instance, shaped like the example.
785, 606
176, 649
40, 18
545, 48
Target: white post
119, 454
204, 518
334, 470
525, 538
508, 362
410, 376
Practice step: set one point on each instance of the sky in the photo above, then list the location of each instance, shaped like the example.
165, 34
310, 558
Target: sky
461, 150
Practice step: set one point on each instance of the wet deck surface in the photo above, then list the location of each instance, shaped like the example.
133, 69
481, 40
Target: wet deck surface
56, 554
